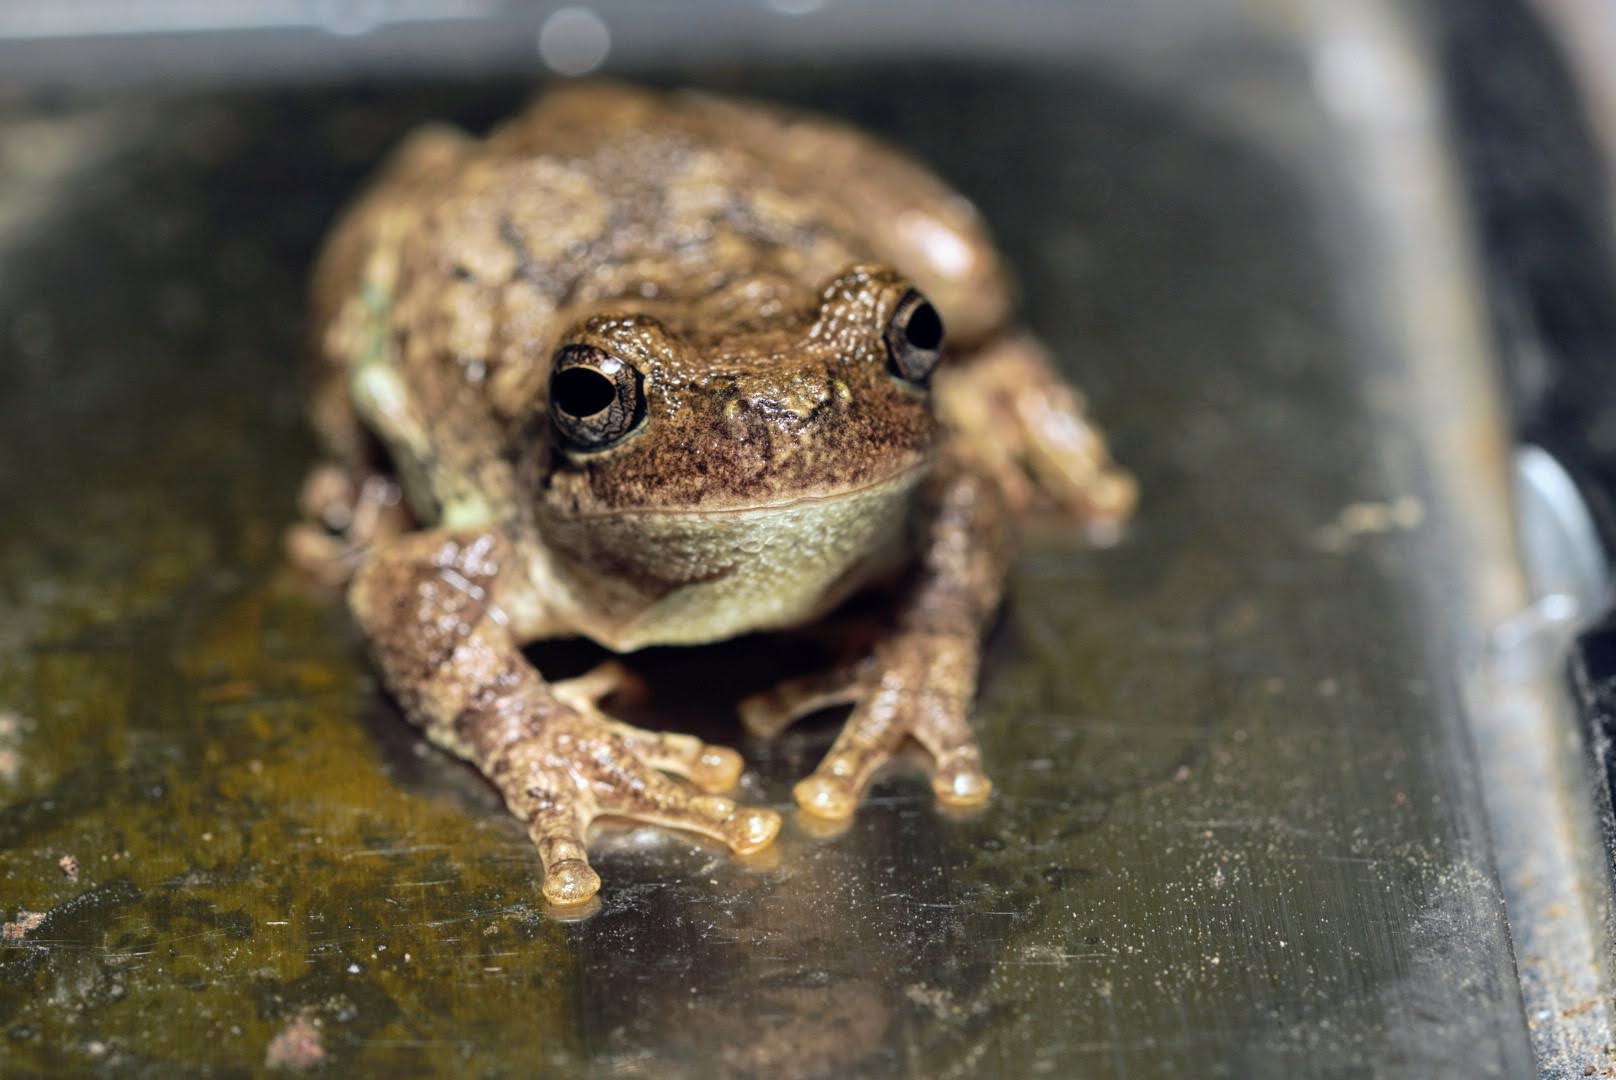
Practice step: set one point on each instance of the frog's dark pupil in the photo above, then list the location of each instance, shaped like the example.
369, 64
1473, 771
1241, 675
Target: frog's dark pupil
925, 328
582, 391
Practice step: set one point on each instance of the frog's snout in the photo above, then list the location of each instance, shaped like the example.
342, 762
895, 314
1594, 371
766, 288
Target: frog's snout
804, 405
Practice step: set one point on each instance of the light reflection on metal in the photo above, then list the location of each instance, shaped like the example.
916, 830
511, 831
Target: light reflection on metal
574, 41
106, 18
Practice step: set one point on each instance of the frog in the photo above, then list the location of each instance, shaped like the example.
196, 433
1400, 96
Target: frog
665, 368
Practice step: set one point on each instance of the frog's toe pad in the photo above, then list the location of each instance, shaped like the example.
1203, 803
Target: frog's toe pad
716, 768
825, 797
961, 783
570, 882
754, 830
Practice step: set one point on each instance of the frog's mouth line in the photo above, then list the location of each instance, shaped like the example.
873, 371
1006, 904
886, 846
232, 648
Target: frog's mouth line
906, 476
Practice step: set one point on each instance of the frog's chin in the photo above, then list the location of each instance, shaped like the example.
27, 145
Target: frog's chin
675, 577
905, 477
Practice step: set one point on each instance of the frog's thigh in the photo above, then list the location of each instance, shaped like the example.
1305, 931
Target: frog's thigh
902, 210
1012, 413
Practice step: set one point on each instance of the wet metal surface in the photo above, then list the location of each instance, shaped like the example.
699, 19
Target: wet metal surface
1236, 830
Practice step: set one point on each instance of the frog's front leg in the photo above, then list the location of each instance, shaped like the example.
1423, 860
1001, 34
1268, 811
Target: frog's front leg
920, 681
442, 612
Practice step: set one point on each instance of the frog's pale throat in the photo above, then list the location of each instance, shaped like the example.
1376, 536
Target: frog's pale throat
689, 577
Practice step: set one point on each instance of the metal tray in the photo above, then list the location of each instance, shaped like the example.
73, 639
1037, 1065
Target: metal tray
1239, 826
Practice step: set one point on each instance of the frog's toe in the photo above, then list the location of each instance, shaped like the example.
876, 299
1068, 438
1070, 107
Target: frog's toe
711, 768
756, 829
556, 821
833, 790
343, 517
958, 779
653, 798
769, 713
313, 552
745, 829
611, 679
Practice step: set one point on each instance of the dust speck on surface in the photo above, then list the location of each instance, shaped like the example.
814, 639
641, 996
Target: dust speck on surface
27, 922
297, 1046
1402, 514
938, 1001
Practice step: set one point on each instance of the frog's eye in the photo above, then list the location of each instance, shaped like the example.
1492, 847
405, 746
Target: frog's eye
914, 338
595, 398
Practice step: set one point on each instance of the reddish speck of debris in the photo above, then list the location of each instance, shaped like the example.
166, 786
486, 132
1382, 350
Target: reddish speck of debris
296, 1046
27, 921
70, 866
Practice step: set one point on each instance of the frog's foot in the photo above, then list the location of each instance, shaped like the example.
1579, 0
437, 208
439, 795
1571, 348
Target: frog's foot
1028, 429
916, 685
581, 765
342, 519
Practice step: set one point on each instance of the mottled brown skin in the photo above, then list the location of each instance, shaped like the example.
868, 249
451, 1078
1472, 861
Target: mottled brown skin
743, 283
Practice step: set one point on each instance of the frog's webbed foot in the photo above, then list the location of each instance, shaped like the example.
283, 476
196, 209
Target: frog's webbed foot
1023, 425
916, 685
580, 764
343, 518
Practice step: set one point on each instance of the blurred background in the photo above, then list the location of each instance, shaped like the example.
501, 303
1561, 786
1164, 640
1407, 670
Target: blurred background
1308, 776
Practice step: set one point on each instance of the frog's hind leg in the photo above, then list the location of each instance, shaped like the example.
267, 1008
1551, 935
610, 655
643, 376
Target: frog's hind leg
1019, 422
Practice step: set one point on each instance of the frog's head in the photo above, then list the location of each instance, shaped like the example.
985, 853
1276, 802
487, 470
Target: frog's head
687, 443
